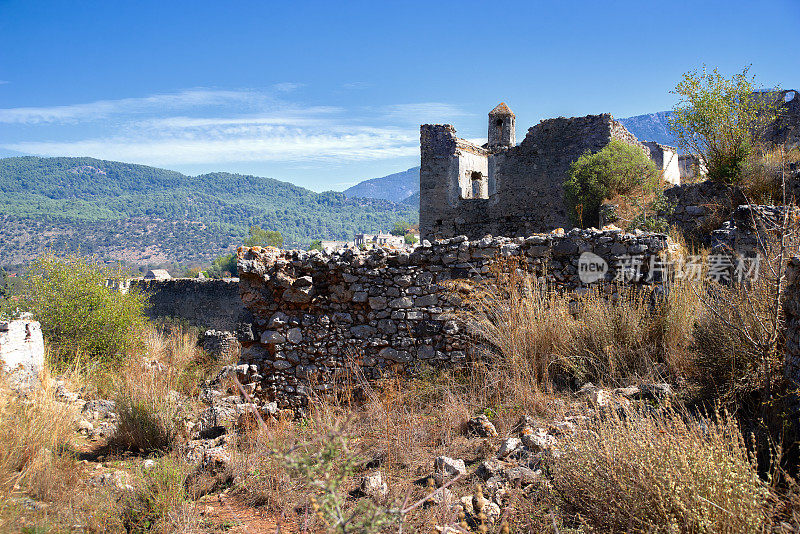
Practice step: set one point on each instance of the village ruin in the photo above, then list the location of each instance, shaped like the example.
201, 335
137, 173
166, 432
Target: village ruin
502, 188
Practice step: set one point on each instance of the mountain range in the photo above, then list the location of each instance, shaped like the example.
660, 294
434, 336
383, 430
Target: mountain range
146, 215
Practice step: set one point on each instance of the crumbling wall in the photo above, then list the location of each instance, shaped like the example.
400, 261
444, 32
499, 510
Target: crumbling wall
213, 304
387, 310
698, 209
525, 182
666, 160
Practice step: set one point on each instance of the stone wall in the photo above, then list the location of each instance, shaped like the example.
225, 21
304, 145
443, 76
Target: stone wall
388, 310
213, 304
700, 208
524, 182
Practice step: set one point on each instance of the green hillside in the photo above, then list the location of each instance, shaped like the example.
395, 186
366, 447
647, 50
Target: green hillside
72, 203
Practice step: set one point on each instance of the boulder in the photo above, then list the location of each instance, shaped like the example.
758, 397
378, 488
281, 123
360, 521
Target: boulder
446, 468
481, 426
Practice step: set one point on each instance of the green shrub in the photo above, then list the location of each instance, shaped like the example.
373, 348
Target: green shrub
616, 169
223, 266
264, 238
721, 119
81, 316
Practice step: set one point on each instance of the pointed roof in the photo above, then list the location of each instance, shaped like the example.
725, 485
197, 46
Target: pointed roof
501, 109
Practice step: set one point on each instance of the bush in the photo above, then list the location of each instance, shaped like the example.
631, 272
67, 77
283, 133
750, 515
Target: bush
223, 266
35, 443
541, 334
153, 392
400, 228
661, 472
616, 169
80, 315
263, 238
722, 120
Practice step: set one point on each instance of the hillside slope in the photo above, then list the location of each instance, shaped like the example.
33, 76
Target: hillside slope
119, 209
395, 187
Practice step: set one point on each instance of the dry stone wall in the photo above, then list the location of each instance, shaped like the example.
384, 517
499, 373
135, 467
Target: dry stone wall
388, 311
213, 304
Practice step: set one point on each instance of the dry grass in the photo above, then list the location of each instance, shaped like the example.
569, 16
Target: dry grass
611, 334
157, 389
35, 443
662, 472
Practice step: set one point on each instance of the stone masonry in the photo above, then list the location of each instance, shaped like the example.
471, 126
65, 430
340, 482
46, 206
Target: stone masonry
502, 188
386, 310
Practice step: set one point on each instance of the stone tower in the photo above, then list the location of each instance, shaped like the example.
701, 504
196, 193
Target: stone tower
501, 127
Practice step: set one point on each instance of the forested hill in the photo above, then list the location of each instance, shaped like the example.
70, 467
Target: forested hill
111, 208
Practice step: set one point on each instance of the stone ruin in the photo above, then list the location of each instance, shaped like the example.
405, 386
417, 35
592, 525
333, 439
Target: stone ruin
502, 188
386, 311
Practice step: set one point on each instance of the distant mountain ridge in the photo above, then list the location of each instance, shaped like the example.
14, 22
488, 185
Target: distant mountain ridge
395, 187
652, 127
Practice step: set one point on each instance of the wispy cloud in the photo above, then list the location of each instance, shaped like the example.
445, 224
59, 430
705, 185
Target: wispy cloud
102, 109
423, 112
3, 82
206, 126
281, 145
287, 87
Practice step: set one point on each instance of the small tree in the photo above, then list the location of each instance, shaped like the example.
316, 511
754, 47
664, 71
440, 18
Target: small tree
721, 119
400, 228
316, 245
79, 313
411, 239
224, 265
616, 169
264, 238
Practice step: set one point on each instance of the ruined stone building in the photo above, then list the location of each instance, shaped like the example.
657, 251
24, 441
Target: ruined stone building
506, 189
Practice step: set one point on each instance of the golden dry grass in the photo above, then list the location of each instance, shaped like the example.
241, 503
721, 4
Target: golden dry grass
665, 471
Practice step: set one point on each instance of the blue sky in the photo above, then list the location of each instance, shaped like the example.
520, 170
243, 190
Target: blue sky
325, 94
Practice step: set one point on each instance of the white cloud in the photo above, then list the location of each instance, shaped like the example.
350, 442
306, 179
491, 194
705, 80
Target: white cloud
287, 87
423, 112
3, 82
101, 109
205, 126
282, 144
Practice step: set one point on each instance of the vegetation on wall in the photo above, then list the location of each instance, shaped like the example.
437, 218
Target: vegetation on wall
616, 169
